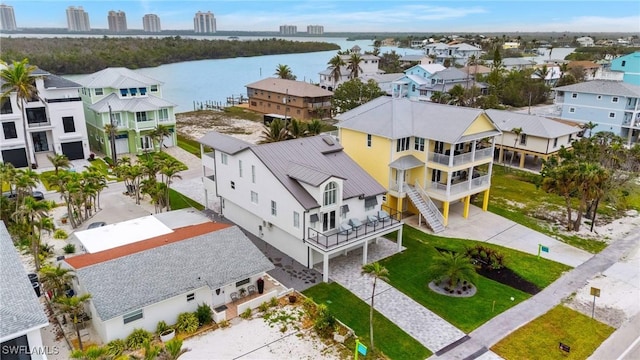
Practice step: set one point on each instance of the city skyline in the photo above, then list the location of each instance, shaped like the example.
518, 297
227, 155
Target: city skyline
353, 15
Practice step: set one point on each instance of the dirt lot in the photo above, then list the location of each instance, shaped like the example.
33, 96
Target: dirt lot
197, 123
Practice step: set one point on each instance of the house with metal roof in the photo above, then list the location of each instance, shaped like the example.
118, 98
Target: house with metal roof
290, 98
22, 316
55, 124
367, 67
427, 155
455, 53
421, 82
614, 106
138, 284
133, 104
305, 196
539, 137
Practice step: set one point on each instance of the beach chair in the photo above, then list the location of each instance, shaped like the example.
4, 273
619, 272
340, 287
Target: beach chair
355, 223
345, 228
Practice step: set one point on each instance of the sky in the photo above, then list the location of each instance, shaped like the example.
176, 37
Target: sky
487, 16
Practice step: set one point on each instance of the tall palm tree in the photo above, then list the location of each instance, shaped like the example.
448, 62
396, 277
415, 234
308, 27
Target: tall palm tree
378, 272
112, 130
284, 72
18, 78
457, 95
336, 63
158, 135
517, 132
30, 214
74, 307
589, 126
453, 267
56, 279
354, 65
170, 169
25, 181
59, 161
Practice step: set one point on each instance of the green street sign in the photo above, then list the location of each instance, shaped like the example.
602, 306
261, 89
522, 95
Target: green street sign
544, 248
362, 349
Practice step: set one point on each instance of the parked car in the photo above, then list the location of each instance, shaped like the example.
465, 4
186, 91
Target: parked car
38, 195
96, 225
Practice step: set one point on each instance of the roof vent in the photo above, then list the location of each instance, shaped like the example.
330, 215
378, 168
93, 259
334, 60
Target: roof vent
328, 140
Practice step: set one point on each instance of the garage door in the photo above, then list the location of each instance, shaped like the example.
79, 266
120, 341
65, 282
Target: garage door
17, 157
168, 141
73, 150
122, 146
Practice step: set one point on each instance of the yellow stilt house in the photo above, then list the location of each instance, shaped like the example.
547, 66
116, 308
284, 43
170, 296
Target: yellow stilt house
428, 155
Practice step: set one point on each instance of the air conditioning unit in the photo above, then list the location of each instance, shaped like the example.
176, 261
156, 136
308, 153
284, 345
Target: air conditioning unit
269, 225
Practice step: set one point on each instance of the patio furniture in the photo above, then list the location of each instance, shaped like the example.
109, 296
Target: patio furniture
355, 223
383, 216
345, 228
372, 220
234, 296
251, 289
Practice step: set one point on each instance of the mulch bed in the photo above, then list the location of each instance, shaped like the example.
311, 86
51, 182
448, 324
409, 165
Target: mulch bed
508, 277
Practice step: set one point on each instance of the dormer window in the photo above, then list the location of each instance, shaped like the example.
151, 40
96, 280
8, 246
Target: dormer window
133, 91
330, 194
123, 92
154, 88
99, 91
143, 91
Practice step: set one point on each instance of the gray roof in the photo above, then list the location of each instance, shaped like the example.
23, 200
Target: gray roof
531, 125
224, 143
406, 162
306, 160
117, 78
20, 309
329, 71
412, 57
133, 104
57, 82
132, 282
449, 85
517, 62
604, 87
451, 74
396, 118
292, 87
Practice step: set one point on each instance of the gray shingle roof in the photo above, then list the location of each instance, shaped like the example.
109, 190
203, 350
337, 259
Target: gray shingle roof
134, 104
314, 153
117, 78
20, 309
604, 87
395, 118
224, 143
132, 282
531, 124
293, 87
451, 74
57, 82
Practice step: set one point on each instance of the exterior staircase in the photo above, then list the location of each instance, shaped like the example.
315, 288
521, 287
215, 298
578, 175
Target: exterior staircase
427, 208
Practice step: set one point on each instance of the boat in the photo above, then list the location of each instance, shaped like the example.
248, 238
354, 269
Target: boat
233, 38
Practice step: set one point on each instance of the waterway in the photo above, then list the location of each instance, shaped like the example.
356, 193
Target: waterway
214, 80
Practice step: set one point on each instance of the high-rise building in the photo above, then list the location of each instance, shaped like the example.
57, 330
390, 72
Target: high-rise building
77, 19
288, 29
315, 29
117, 21
7, 18
204, 22
151, 23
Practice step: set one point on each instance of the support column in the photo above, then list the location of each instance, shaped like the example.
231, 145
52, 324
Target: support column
485, 200
445, 212
365, 250
467, 201
325, 268
399, 239
522, 157
501, 155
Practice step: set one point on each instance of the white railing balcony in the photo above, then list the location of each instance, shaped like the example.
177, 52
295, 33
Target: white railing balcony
461, 159
467, 186
149, 124
208, 161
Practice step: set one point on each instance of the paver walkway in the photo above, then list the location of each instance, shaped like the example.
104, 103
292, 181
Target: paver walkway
423, 325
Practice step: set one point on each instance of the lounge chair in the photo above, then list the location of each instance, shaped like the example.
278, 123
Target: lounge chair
355, 223
345, 228
383, 216
251, 289
372, 220
234, 296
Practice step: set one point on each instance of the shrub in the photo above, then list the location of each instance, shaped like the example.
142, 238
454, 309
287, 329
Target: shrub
162, 327
223, 323
60, 234
137, 338
203, 313
264, 307
69, 249
309, 306
246, 314
187, 323
324, 323
273, 302
116, 347
486, 257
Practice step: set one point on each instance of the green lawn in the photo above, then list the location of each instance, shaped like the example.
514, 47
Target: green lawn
409, 273
389, 338
515, 196
180, 201
189, 145
540, 339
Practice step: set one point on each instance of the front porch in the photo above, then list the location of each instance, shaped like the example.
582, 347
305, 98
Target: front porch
231, 310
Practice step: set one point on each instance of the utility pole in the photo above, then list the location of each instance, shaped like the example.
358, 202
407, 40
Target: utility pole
112, 137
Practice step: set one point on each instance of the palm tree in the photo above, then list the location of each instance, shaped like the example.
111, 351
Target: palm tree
376, 271
59, 161
457, 95
336, 63
74, 307
56, 279
354, 65
172, 350
561, 180
542, 72
284, 72
158, 135
18, 78
314, 127
589, 126
517, 132
170, 169
30, 214
297, 129
276, 131
453, 267
112, 130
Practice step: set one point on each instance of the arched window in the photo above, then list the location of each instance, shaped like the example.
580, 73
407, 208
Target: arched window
330, 194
